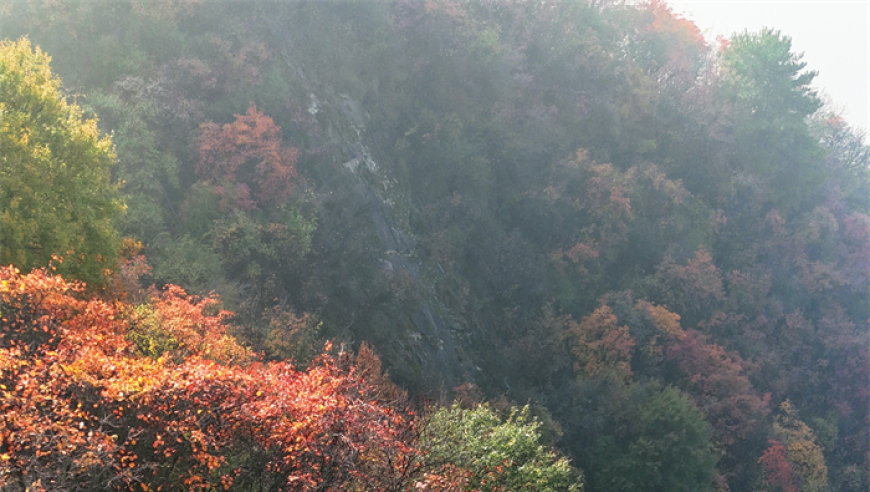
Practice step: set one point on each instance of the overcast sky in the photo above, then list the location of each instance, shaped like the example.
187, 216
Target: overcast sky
834, 36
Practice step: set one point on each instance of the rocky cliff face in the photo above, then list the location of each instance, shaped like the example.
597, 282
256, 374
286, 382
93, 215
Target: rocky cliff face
364, 225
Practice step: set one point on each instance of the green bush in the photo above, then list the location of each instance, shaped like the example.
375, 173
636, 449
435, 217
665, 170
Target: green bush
500, 455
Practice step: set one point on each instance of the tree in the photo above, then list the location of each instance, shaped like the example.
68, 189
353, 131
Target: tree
602, 348
247, 157
762, 72
667, 45
149, 124
794, 461
847, 159
695, 291
495, 455
777, 469
106, 395
661, 442
243, 215
771, 92
716, 381
55, 189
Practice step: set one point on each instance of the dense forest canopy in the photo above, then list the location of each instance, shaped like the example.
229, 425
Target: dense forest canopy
593, 251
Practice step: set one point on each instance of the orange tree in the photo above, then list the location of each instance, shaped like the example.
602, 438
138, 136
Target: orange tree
102, 395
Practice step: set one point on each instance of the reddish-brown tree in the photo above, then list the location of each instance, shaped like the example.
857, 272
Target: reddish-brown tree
778, 471
718, 384
602, 347
247, 161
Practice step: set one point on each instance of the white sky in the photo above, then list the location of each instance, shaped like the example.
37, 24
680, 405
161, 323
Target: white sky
834, 36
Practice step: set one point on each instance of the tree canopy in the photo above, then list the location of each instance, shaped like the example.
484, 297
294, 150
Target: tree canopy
56, 192
661, 246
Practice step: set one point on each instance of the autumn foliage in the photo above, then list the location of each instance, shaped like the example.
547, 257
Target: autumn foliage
104, 394
778, 470
576, 204
717, 381
601, 347
247, 161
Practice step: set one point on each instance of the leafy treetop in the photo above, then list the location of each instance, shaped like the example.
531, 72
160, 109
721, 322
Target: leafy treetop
57, 197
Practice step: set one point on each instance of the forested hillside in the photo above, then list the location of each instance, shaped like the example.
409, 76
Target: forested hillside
567, 228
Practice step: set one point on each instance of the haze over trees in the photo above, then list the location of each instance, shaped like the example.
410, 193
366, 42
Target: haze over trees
593, 252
